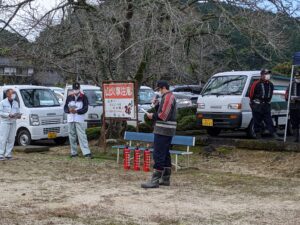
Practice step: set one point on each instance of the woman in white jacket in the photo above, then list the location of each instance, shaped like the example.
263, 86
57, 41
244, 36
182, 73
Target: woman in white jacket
9, 113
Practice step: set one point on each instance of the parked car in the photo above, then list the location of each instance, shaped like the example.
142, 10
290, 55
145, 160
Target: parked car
190, 91
224, 103
58, 90
42, 115
95, 111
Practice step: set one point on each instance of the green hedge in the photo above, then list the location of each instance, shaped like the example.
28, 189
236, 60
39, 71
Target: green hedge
186, 119
93, 133
183, 112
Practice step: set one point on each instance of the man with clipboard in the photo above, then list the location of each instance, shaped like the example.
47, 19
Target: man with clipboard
9, 113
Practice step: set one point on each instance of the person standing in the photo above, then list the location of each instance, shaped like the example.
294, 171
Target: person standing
9, 113
261, 93
164, 130
76, 106
295, 105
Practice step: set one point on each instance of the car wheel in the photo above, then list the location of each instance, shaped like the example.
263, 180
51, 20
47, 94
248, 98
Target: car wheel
60, 140
214, 132
23, 138
250, 130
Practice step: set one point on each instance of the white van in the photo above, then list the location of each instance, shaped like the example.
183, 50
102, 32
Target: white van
224, 103
94, 95
42, 115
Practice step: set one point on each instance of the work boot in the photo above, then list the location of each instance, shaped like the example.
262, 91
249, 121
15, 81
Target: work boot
296, 134
165, 179
154, 181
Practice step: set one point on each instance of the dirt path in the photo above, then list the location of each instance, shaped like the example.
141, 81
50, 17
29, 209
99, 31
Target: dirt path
243, 187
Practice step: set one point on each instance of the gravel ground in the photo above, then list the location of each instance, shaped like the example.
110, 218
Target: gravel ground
232, 187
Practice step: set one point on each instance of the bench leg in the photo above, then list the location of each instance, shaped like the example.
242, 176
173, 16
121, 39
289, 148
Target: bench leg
188, 161
118, 156
176, 162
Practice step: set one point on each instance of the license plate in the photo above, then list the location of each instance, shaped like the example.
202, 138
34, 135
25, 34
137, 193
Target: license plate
207, 122
52, 135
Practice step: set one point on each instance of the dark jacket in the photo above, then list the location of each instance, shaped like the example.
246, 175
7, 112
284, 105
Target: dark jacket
165, 117
295, 93
261, 91
81, 98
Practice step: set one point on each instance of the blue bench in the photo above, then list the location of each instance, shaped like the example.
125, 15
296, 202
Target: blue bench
186, 141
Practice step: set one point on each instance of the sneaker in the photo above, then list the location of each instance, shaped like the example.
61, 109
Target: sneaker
88, 156
2, 158
8, 157
74, 156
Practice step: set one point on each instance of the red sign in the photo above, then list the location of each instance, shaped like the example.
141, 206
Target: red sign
118, 90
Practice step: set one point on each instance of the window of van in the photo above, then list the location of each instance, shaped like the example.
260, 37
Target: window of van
39, 98
225, 85
146, 96
94, 97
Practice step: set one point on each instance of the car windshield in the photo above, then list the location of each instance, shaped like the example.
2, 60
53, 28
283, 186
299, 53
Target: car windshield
225, 85
39, 98
94, 97
146, 96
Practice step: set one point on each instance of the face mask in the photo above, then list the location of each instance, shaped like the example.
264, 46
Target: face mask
13, 96
268, 77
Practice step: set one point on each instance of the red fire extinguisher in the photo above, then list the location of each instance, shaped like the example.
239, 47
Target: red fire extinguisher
147, 160
126, 155
137, 159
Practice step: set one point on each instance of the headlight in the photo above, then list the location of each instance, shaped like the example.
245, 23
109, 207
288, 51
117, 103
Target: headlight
235, 106
93, 116
201, 106
34, 120
184, 102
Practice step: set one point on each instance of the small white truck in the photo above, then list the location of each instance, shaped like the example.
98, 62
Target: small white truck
224, 103
42, 115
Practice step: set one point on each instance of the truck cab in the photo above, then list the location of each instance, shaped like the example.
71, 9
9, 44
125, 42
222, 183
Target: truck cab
95, 111
224, 103
42, 115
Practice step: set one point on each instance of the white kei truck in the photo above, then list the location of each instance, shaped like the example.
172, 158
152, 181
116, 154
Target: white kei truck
42, 115
224, 103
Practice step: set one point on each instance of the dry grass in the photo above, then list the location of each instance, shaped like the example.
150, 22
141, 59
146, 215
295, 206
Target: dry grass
239, 187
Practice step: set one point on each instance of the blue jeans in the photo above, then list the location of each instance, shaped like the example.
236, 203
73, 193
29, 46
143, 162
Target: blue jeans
78, 130
161, 153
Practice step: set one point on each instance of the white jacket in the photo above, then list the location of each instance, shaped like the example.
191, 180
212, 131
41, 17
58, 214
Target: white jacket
6, 108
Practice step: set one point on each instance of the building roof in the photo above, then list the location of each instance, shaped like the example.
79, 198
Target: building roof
5, 61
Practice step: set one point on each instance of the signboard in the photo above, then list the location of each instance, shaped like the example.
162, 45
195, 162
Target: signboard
119, 100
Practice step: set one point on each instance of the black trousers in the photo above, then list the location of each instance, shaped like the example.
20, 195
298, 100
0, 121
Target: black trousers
295, 117
161, 153
262, 113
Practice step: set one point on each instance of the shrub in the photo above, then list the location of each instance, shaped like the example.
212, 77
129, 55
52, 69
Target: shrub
145, 128
187, 123
93, 133
130, 128
183, 112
